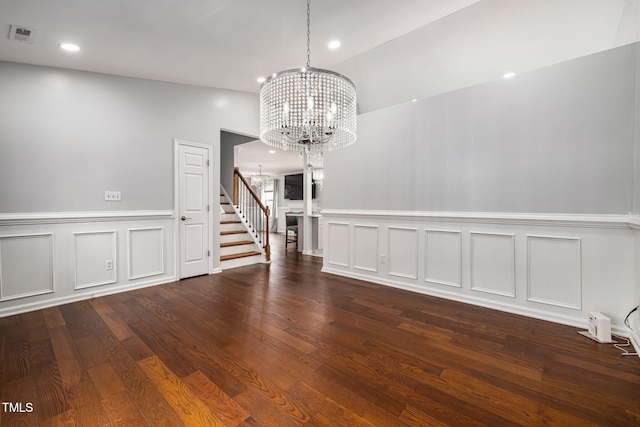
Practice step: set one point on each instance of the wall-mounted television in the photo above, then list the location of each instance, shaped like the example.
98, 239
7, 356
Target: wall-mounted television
294, 187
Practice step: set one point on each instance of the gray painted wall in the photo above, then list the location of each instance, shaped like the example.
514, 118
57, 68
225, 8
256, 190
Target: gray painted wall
67, 136
228, 140
636, 201
555, 140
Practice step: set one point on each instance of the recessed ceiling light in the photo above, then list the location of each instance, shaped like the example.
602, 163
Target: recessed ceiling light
509, 75
69, 47
272, 151
261, 79
334, 44
414, 100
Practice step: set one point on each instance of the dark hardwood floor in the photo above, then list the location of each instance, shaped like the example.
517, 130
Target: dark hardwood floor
286, 345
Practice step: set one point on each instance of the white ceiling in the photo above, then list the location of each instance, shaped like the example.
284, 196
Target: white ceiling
393, 50
249, 156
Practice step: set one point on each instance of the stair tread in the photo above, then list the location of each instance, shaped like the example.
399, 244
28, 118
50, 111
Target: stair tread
224, 233
242, 242
240, 255
231, 222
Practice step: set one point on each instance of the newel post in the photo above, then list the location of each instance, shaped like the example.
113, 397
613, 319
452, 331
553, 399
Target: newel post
235, 186
267, 246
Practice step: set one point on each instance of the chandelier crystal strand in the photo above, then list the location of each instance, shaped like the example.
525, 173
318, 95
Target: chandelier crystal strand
308, 109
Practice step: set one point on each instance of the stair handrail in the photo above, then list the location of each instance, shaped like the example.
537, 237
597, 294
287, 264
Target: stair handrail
243, 195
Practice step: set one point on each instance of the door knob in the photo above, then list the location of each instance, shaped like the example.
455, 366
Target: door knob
184, 218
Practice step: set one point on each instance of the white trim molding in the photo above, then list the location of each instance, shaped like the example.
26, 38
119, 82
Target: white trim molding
332, 256
367, 261
36, 218
436, 255
82, 295
500, 218
564, 274
97, 266
39, 268
136, 256
397, 261
501, 270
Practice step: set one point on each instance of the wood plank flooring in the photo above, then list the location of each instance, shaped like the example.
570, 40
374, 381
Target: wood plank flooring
286, 345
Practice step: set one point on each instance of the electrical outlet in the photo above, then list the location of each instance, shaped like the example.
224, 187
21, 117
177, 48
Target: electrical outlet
383, 259
108, 265
112, 196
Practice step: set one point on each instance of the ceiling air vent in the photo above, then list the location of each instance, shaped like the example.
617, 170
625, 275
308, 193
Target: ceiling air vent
22, 34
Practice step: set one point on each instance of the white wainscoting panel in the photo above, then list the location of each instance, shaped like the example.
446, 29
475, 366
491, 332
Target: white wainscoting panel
338, 248
146, 252
26, 265
493, 263
49, 259
554, 271
92, 251
555, 267
403, 252
443, 257
365, 247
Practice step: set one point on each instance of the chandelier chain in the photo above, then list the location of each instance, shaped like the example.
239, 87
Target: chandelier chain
308, 33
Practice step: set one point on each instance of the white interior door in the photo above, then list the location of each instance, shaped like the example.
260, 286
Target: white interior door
193, 202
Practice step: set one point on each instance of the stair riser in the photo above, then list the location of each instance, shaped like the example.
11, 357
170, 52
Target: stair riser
240, 262
239, 249
234, 237
229, 217
232, 227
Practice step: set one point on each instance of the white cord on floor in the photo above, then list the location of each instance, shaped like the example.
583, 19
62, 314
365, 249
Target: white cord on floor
622, 347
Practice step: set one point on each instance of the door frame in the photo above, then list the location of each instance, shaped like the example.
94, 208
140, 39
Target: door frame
176, 202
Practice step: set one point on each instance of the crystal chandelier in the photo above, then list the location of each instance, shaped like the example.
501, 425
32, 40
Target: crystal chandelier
260, 180
308, 109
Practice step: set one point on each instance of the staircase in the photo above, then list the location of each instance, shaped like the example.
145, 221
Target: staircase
237, 247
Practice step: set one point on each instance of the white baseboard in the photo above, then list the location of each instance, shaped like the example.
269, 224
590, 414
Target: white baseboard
575, 321
81, 296
635, 340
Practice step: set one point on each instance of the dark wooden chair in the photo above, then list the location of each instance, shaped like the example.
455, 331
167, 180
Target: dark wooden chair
291, 232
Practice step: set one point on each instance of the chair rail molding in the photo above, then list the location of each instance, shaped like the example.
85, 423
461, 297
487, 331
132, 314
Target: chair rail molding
33, 218
534, 219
